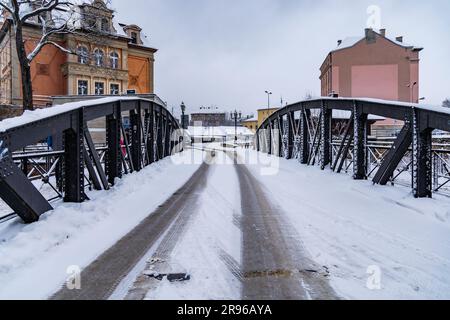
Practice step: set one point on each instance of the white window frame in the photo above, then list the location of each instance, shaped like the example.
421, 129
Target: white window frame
86, 87
97, 92
111, 91
83, 55
99, 57
114, 59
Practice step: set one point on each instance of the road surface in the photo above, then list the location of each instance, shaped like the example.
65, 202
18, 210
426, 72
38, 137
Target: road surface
273, 264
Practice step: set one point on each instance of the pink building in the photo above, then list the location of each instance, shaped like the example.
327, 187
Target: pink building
372, 66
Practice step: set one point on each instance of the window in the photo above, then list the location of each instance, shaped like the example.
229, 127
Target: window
105, 25
115, 89
99, 88
134, 38
114, 60
83, 55
98, 56
83, 87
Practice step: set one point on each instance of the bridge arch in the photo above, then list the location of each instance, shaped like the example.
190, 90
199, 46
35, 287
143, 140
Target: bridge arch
75, 160
303, 131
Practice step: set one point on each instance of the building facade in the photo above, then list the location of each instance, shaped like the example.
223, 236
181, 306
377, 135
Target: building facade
372, 66
263, 114
251, 124
106, 59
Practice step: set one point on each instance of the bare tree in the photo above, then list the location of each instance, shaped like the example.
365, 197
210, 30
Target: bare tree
446, 103
54, 17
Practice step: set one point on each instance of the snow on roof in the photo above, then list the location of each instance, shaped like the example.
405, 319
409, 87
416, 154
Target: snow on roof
251, 120
208, 110
352, 41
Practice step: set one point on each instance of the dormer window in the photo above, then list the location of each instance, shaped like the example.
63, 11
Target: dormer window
134, 37
105, 25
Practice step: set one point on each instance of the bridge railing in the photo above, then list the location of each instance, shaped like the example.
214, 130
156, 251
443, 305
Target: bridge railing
72, 161
304, 131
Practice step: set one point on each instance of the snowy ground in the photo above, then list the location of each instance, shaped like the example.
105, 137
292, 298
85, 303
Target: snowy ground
212, 239
34, 258
354, 227
377, 242
361, 233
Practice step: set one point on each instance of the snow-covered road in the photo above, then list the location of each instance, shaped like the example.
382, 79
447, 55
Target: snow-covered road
259, 228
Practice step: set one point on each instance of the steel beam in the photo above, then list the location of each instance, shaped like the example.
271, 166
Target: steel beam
422, 157
74, 160
290, 134
136, 137
114, 152
360, 143
305, 115
326, 134
394, 155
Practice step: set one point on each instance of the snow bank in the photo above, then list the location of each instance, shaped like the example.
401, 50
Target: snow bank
34, 261
353, 227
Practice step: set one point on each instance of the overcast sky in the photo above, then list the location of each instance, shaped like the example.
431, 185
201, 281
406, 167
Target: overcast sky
226, 53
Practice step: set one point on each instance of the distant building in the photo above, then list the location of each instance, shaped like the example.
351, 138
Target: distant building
372, 66
110, 59
209, 117
251, 124
263, 114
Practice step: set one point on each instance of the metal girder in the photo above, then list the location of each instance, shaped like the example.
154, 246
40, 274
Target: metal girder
114, 152
92, 174
129, 155
74, 160
136, 138
326, 135
305, 115
422, 157
18, 192
394, 155
95, 158
342, 146
359, 143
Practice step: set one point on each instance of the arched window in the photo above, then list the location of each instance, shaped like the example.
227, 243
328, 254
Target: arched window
83, 55
114, 60
99, 57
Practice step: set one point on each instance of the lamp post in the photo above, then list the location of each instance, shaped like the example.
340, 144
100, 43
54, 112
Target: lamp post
236, 116
412, 85
268, 101
183, 109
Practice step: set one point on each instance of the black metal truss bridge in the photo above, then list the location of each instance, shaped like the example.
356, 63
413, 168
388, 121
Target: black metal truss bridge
303, 131
74, 161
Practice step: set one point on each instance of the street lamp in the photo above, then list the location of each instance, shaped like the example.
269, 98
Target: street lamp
412, 85
236, 116
183, 109
268, 100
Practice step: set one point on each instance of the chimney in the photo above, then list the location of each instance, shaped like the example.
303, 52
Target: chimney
383, 32
339, 42
370, 35
399, 39
368, 31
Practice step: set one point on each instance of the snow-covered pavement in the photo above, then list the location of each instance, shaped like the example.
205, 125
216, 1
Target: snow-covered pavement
368, 236
366, 241
34, 259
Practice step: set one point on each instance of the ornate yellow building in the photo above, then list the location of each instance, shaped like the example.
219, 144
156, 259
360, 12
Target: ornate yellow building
107, 59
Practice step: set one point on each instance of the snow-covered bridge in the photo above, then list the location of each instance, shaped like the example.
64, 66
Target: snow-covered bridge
231, 223
304, 131
152, 136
